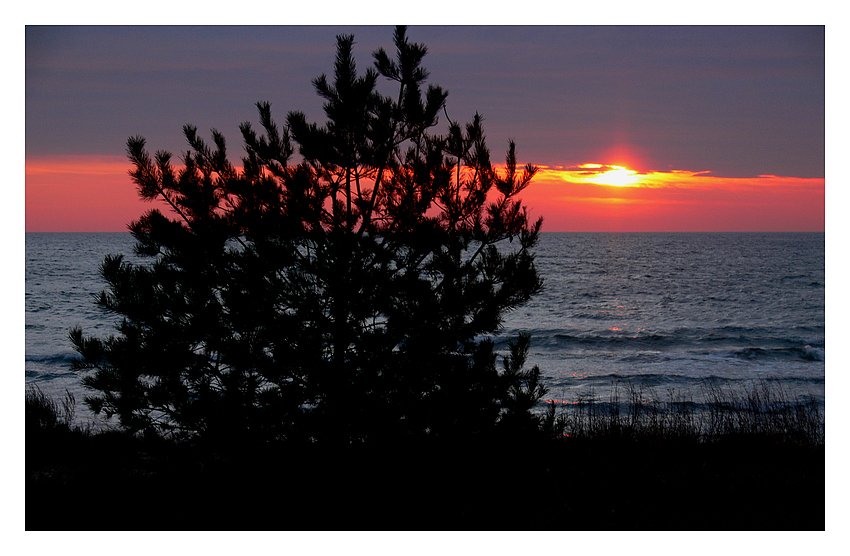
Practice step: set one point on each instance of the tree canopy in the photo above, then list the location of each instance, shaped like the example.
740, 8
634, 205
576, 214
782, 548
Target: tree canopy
338, 285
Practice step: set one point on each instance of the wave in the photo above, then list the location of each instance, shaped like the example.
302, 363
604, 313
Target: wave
613, 340
805, 353
673, 380
614, 379
814, 354
33, 377
644, 357
52, 359
660, 345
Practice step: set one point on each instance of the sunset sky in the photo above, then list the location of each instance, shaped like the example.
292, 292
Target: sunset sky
635, 128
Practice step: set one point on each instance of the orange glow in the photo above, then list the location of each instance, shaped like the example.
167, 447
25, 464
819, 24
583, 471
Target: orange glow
576, 198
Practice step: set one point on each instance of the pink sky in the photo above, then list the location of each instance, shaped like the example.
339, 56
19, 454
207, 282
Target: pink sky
80, 194
95, 194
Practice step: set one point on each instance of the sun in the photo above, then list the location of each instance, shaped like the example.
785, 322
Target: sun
618, 176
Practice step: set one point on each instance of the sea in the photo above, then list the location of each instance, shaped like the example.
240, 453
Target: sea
663, 312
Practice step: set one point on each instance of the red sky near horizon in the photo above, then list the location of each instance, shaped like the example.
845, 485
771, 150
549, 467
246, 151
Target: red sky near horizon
634, 128
94, 194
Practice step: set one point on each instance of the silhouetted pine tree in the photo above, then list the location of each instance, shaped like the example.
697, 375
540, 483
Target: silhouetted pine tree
339, 297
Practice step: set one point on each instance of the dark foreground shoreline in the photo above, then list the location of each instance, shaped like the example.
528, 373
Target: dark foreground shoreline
108, 481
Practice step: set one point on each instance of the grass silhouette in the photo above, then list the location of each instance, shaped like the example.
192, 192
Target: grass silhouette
760, 410
748, 460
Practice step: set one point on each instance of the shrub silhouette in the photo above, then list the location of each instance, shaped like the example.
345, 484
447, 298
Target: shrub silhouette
341, 296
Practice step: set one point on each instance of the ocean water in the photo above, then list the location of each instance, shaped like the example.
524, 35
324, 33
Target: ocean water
670, 311
664, 311
62, 278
